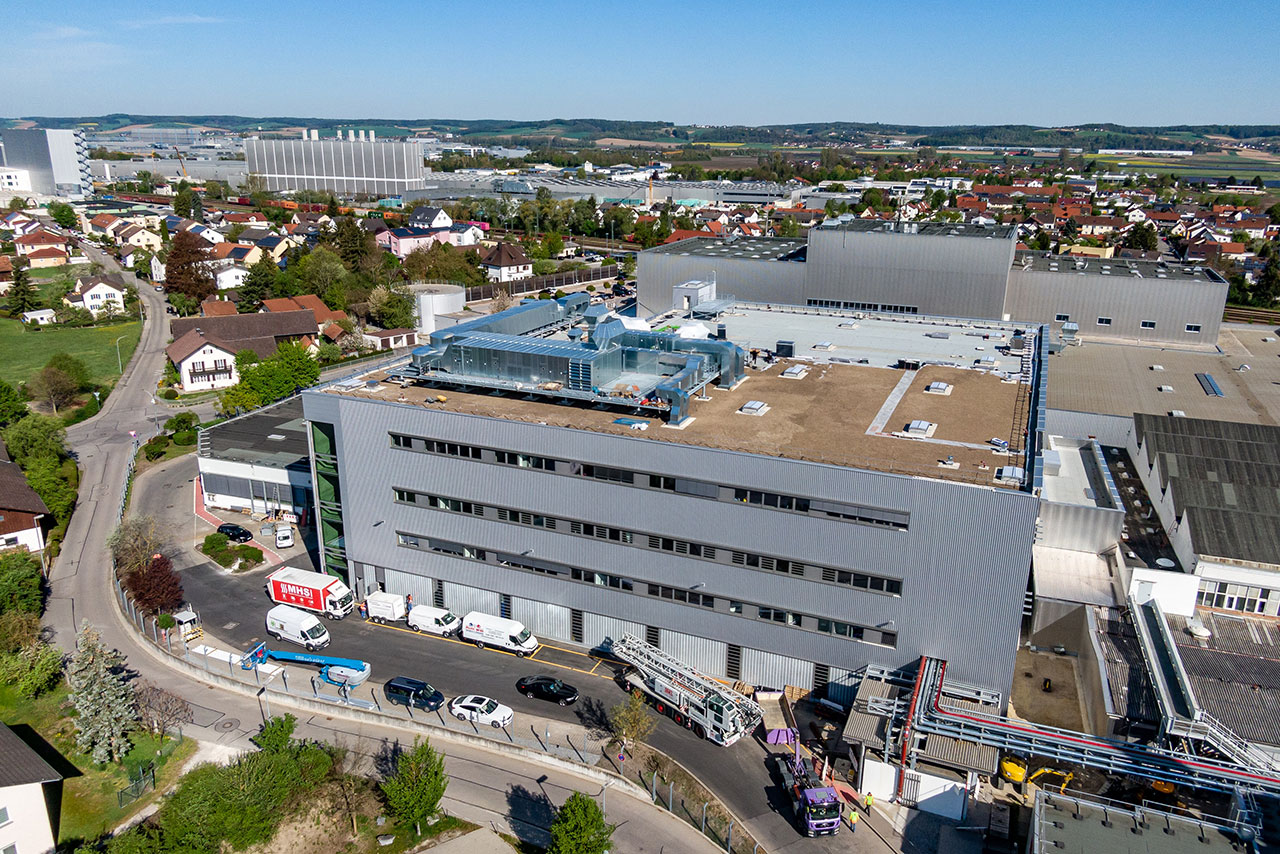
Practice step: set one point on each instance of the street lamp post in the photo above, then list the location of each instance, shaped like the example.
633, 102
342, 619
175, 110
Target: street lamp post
119, 362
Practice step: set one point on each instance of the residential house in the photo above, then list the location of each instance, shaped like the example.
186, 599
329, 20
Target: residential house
49, 256
465, 234
245, 254
214, 307
249, 219
321, 221
401, 241
275, 246
506, 262
103, 224
41, 238
1098, 226
429, 217
6, 271
228, 275
40, 317
374, 225
30, 798
98, 294
390, 339
23, 515
19, 223
326, 319
204, 348
136, 235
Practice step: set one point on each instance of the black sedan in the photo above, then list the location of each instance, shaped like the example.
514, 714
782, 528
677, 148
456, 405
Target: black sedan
548, 688
235, 533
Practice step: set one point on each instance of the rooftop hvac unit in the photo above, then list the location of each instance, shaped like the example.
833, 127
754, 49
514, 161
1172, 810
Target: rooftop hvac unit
786, 349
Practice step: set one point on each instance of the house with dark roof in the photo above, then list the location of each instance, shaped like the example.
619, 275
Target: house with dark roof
98, 294
506, 262
429, 217
204, 348
30, 797
23, 514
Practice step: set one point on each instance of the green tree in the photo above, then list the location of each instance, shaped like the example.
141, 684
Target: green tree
630, 719
53, 387
789, 227
73, 367
21, 584
276, 734
1266, 290
187, 270
298, 364
35, 436
63, 214
182, 202
414, 789
258, 284
320, 270
238, 399
580, 828
1143, 236
146, 181
103, 700
134, 541
44, 474
331, 208
352, 242
13, 406
392, 308
23, 295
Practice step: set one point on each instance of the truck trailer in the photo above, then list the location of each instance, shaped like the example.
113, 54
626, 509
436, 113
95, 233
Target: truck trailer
816, 807
312, 591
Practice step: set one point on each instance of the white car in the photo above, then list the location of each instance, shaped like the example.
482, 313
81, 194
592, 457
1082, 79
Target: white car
481, 710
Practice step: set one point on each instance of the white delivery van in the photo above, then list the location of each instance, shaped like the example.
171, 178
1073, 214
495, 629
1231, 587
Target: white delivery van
482, 629
293, 624
385, 607
435, 621
284, 536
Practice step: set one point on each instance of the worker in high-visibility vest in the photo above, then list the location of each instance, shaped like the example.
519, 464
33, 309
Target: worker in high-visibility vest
868, 801
853, 819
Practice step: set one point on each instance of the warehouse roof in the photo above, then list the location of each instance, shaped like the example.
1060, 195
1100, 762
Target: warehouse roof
1075, 825
1126, 268
1224, 477
275, 436
925, 229
748, 248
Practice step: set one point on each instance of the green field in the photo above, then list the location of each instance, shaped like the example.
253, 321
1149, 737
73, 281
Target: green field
25, 350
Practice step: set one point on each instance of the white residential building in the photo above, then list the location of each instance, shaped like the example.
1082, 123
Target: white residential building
30, 792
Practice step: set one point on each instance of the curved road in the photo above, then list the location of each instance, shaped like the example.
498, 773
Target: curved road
502, 792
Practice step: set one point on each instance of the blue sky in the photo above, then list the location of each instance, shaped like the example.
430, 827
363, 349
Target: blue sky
741, 62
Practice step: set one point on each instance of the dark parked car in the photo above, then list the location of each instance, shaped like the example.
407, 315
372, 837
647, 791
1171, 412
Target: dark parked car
548, 688
235, 533
413, 693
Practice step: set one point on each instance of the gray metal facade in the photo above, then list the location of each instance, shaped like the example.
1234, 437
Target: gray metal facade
1175, 305
963, 561
755, 281
940, 274
341, 166
57, 160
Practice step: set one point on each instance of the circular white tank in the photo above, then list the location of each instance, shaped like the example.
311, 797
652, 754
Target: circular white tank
437, 299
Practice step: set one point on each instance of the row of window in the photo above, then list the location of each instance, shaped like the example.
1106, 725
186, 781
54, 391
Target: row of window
1233, 597
750, 560
1192, 328
683, 486
863, 306
767, 613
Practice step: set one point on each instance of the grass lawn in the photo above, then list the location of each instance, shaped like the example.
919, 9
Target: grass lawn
89, 804
26, 350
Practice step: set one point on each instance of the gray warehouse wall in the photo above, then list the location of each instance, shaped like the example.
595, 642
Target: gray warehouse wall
955, 276
1173, 303
336, 165
963, 562
747, 279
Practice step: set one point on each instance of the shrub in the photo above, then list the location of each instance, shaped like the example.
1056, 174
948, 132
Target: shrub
154, 448
213, 544
181, 422
250, 554
166, 621
224, 558
21, 584
155, 587
591, 289
17, 630
169, 394
33, 671
184, 438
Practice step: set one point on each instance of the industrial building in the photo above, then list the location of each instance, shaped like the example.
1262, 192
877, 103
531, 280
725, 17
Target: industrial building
784, 521
336, 165
442, 186
258, 462
949, 270
56, 161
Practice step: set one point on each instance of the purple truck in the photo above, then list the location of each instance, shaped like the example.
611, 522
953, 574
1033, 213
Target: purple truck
816, 807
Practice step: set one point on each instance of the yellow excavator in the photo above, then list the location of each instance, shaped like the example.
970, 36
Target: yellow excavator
1014, 770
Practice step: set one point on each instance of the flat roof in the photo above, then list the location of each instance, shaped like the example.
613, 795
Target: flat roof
275, 436
750, 248
1132, 386
1125, 268
1074, 825
926, 229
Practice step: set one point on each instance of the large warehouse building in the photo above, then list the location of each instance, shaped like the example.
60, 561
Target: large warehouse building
950, 270
870, 501
339, 166
56, 161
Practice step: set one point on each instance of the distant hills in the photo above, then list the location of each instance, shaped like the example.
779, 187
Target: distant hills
586, 131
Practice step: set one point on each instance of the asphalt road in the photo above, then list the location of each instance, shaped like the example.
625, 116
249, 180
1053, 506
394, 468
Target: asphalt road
233, 608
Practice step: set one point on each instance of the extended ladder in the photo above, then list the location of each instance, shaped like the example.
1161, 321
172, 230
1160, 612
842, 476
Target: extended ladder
651, 661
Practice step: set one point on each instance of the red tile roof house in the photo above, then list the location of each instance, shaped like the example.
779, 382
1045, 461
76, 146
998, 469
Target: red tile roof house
327, 319
49, 256
204, 348
39, 239
23, 515
6, 269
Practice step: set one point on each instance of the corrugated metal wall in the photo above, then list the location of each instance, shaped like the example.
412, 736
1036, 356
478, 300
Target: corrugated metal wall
775, 671
595, 628
408, 582
369, 577
459, 598
545, 620
842, 686
1109, 429
1173, 302
708, 656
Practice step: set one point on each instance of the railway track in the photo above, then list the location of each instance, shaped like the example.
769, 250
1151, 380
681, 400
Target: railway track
1237, 314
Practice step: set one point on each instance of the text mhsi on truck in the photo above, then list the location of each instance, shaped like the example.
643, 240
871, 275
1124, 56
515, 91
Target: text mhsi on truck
312, 591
